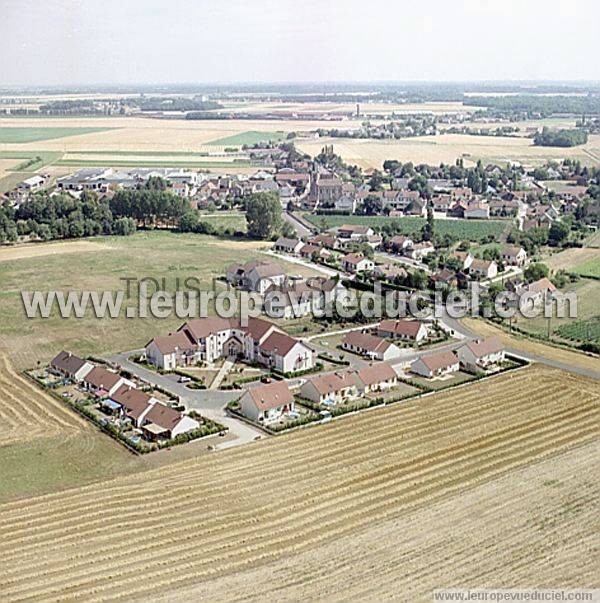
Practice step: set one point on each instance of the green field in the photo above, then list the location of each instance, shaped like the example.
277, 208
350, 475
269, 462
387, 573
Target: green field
249, 138
234, 220
32, 160
589, 268
581, 330
156, 254
472, 230
50, 464
22, 135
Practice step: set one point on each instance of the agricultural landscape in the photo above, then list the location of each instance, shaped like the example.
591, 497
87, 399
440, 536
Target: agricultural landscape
299, 301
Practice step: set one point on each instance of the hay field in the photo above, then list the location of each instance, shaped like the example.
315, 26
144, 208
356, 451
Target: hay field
449, 147
6, 165
139, 537
522, 521
26, 413
570, 259
22, 252
145, 134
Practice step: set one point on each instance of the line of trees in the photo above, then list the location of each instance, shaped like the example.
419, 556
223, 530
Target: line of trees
61, 217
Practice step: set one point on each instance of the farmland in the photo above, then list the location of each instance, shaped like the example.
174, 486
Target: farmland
99, 265
590, 267
249, 138
390, 465
26, 414
587, 291
17, 135
141, 135
473, 230
447, 148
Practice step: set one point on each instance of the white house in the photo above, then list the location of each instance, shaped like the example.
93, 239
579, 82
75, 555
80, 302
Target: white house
355, 262
170, 351
436, 365
164, 422
513, 255
330, 388
465, 258
406, 330
104, 383
286, 245
256, 276
267, 403
476, 355
355, 231
419, 250
377, 377
368, 345
483, 268
285, 354
70, 366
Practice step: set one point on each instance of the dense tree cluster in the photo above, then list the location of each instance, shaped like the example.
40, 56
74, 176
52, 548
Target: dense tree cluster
538, 104
61, 217
151, 204
560, 138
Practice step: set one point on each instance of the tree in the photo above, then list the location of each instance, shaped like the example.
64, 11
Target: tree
428, 228
535, 271
371, 205
189, 222
263, 215
559, 232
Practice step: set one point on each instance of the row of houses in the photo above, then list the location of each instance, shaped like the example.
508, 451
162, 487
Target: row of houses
211, 338
473, 356
119, 395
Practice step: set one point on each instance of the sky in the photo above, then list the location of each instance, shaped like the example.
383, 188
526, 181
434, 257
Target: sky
87, 42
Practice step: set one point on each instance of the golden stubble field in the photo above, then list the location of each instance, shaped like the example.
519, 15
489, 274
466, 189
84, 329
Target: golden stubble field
330, 491
26, 413
449, 147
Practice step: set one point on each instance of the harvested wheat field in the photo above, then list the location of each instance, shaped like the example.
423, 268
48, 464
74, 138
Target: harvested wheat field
170, 529
516, 519
447, 148
26, 413
36, 250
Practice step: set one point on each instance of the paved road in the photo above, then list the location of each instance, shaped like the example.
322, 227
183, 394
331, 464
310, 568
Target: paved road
400, 259
316, 267
301, 230
209, 403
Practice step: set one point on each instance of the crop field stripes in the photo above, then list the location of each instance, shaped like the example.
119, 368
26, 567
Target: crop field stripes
321, 484
27, 413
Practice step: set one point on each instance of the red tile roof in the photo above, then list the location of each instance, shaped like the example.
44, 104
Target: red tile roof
271, 395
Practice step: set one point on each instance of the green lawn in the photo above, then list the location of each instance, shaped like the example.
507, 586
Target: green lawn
589, 268
22, 135
472, 230
158, 254
235, 220
249, 138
